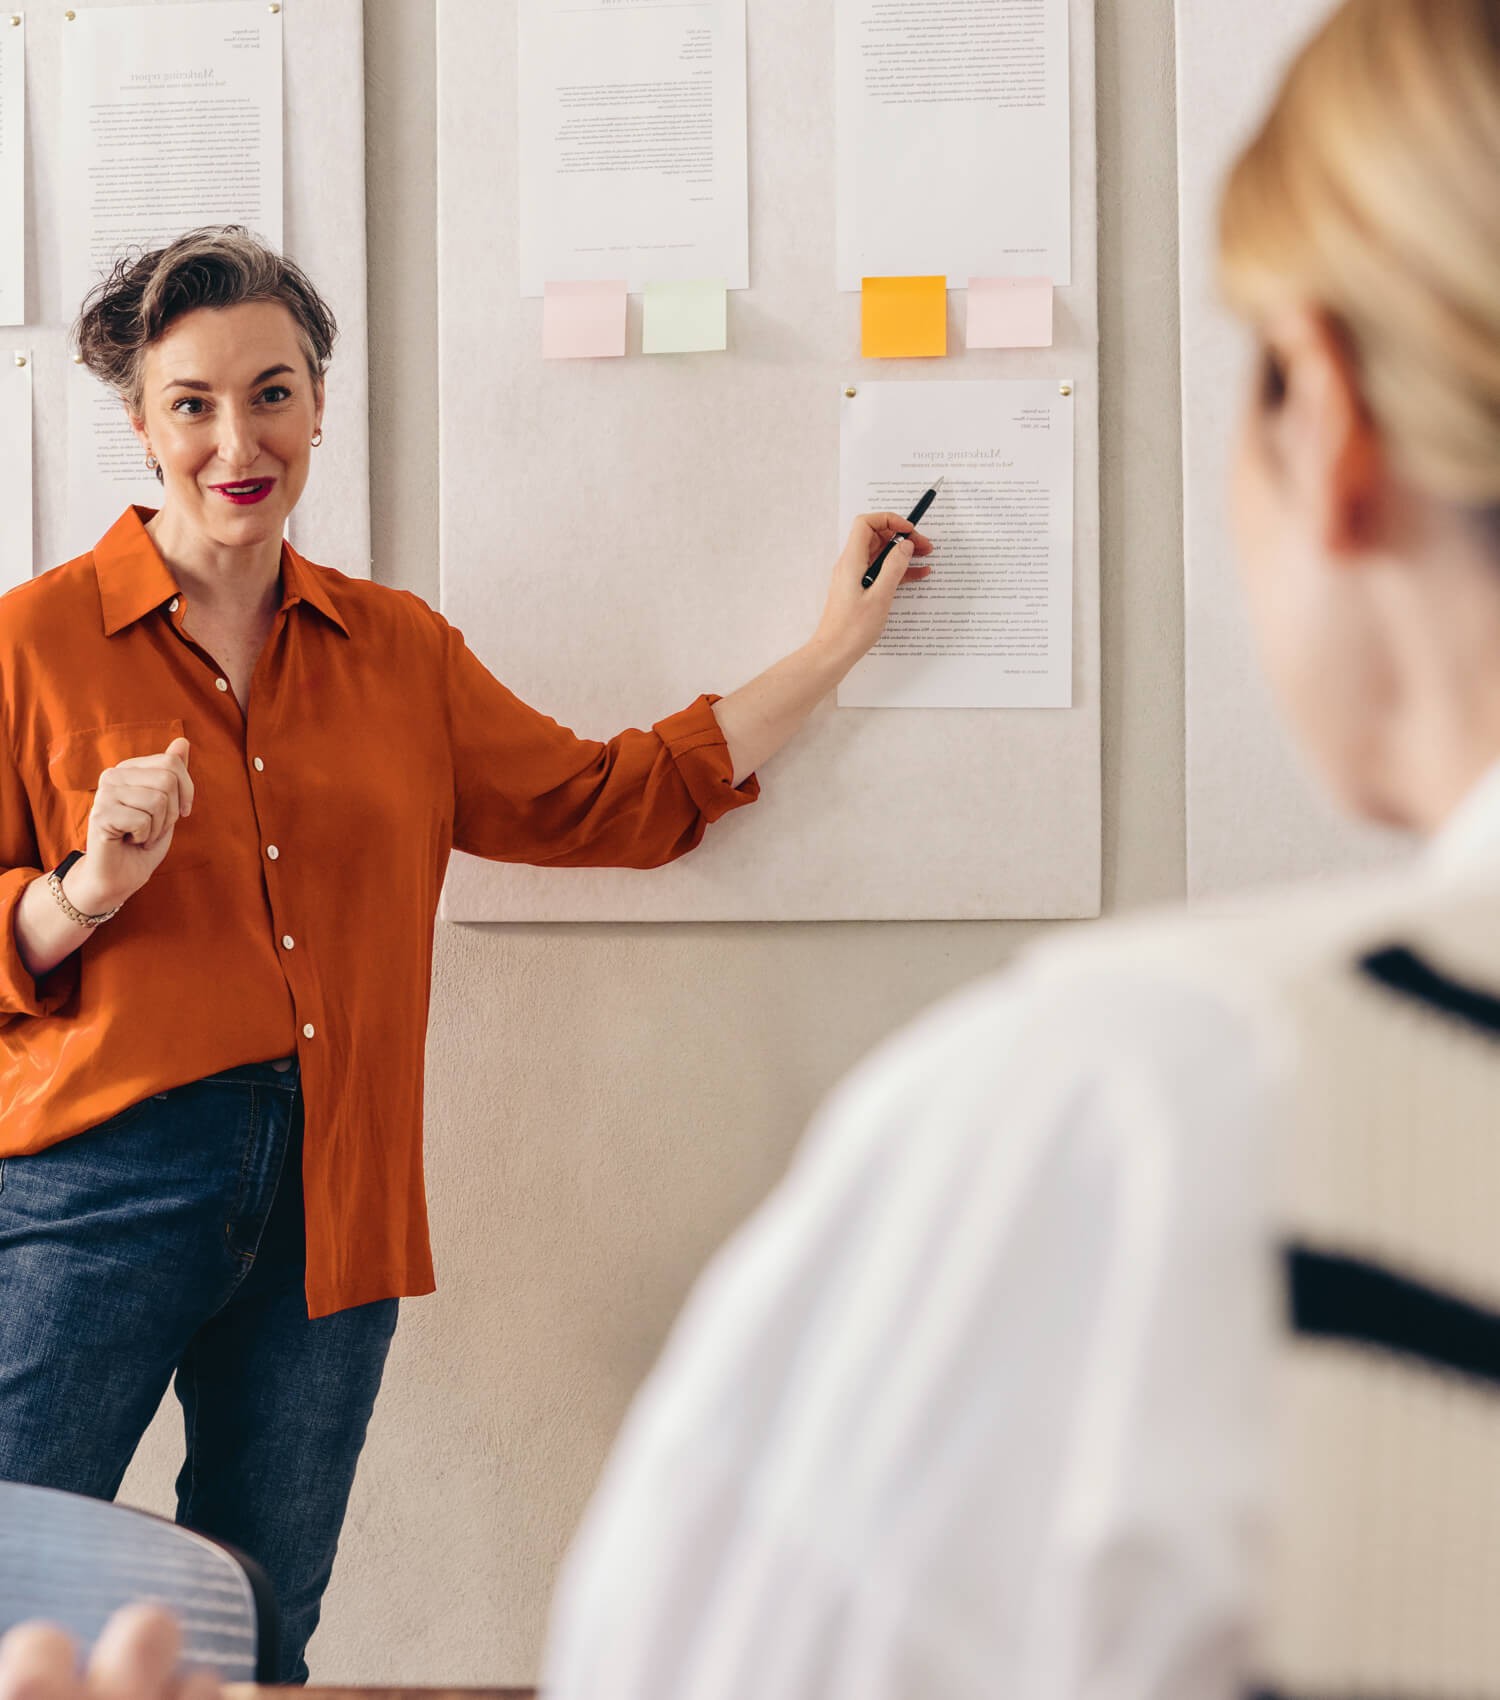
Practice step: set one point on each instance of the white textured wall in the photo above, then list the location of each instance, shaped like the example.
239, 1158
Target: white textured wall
604, 1103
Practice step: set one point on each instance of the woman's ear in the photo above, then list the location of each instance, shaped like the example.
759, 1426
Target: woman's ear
320, 395
138, 425
1331, 441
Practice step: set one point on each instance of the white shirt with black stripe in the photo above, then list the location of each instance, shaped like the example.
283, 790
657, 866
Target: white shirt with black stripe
975, 1404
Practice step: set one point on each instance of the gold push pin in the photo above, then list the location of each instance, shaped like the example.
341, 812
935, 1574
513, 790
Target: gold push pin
273, 8
15, 20
851, 392
70, 16
77, 359
1065, 389
20, 360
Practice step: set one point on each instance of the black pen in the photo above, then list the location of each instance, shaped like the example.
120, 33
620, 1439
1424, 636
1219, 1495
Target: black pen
916, 513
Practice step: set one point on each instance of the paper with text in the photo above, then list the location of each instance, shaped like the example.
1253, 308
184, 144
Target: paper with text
12, 169
106, 463
632, 141
16, 554
953, 139
172, 118
993, 626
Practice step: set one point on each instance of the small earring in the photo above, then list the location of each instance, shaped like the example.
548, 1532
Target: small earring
318, 438
151, 462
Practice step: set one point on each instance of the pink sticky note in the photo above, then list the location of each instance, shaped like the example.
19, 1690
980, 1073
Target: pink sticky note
1010, 312
583, 321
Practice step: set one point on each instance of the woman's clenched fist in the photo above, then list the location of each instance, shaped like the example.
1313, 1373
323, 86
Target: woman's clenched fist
136, 809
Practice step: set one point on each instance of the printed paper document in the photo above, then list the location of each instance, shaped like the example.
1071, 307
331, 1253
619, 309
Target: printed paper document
993, 626
953, 150
171, 118
632, 142
13, 169
15, 469
106, 464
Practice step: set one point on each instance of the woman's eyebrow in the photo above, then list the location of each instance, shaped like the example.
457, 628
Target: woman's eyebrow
198, 383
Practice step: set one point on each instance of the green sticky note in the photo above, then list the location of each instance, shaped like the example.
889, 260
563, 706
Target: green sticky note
684, 318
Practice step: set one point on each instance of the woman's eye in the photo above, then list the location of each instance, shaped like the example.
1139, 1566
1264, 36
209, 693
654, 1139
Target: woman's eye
189, 404
277, 392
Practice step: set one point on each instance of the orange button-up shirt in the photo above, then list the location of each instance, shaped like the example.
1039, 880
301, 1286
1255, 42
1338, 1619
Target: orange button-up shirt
294, 911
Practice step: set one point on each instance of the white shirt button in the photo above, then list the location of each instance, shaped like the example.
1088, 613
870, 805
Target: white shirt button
260, 766
272, 851
172, 606
287, 941
223, 684
307, 1031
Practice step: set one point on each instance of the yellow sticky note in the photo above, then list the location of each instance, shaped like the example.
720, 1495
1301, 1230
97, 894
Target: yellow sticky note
904, 316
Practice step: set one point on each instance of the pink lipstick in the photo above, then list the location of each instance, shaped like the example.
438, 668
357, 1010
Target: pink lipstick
245, 494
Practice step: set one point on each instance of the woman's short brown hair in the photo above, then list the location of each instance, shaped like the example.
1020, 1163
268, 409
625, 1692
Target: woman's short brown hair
217, 266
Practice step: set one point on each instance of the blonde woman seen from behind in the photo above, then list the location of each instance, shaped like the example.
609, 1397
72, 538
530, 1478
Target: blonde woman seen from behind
1129, 1329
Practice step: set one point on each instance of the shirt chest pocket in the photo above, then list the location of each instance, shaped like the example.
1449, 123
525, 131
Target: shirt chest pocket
77, 759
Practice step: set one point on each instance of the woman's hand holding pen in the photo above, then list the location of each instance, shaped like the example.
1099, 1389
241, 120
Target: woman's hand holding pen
854, 617
758, 718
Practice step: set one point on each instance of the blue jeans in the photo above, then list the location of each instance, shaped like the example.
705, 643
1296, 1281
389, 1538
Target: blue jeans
169, 1239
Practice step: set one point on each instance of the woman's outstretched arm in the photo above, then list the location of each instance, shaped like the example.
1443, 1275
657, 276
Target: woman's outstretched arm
760, 717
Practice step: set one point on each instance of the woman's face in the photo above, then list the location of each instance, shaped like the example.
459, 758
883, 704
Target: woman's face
229, 408
1306, 490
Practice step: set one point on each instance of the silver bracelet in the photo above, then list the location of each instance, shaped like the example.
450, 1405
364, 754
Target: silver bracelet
55, 886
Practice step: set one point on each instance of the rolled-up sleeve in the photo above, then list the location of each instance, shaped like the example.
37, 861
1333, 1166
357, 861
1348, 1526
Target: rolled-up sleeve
528, 790
695, 742
20, 993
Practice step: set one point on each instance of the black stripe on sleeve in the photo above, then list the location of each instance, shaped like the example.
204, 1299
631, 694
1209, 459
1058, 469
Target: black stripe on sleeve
1345, 1298
1420, 1691
1402, 971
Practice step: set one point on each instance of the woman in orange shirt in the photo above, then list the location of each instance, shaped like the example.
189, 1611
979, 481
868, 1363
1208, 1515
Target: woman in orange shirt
229, 785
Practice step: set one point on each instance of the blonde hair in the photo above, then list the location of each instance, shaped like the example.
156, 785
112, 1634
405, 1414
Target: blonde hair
217, 266
1373, 191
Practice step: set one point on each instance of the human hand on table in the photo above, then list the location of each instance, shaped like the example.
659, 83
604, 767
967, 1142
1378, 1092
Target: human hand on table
136, 1658
854, 617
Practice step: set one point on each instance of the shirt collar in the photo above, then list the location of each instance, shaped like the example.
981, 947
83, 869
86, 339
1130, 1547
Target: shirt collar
1468, 843
133, 578
303, 582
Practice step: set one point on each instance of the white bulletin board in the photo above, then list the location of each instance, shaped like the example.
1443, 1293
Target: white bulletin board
620, 535
324, 163
1254, 814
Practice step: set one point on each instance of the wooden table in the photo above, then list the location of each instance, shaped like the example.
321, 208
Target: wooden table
249, 1691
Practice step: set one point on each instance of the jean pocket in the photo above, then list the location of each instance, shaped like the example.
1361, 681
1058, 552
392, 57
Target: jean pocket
123, 1118
117, 1123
